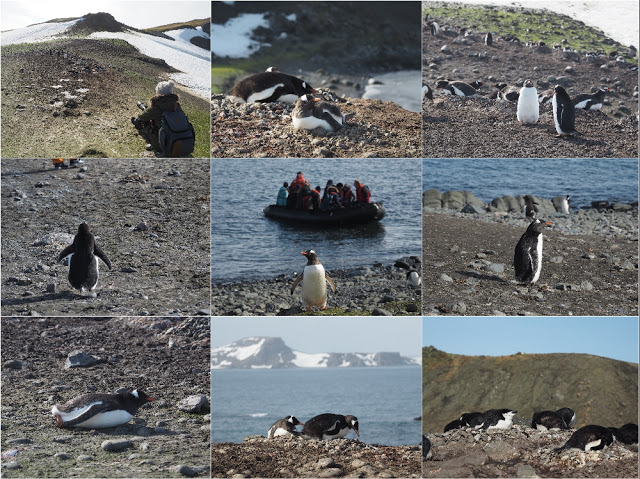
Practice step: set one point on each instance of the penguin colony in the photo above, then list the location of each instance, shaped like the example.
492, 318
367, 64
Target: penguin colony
314, 281
325, 427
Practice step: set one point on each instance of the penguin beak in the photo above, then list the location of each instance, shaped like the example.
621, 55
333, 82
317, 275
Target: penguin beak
356, 430
548, 223
150, 399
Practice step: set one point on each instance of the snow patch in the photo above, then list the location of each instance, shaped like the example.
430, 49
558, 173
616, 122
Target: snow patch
35, 33
233, 39
307, 360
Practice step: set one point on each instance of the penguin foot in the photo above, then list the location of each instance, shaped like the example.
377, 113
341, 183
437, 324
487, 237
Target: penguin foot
59, 421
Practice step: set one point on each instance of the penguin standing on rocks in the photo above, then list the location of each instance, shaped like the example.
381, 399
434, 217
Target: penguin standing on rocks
528, 108
284, 427
527, 259
564, 207
529, 207
83, 260
586, 101
426, 448
100, 410
457, 88
588, 438
434, 28
564, 114
270, 86
329, 426
427, 92
314, 282
413, 277
488, 39
311, 112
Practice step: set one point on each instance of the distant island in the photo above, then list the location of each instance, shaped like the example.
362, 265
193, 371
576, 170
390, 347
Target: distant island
272, 353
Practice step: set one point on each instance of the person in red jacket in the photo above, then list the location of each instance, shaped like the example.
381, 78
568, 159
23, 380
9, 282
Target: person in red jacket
362, 192
299, 181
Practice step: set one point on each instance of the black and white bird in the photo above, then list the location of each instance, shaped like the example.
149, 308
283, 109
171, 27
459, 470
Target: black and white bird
546, 420
457, 88
488, 39
567, 415
426, 448
434, 28
564, 206
314, 281
427, 92
83, 256
463, 421
588, 438
588, 101
527, 259
493, 419
627, 434
413, 277
311, 112
270, 86
95, 411
529, 207
329, 426
284, 427
564, 114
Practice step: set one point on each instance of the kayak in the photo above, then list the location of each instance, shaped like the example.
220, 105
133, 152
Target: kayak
358, 214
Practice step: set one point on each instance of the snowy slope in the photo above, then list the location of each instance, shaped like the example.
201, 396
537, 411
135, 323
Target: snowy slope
233, 39
35, 33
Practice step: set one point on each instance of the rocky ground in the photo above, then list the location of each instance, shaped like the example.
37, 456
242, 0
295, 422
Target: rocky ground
523, 452
378, 129
297, 457
481, 127
151, 218
590, 264
378, 290
168, 358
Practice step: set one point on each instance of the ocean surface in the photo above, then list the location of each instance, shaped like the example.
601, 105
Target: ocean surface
386, 401
585, 180
246, 245
402, 88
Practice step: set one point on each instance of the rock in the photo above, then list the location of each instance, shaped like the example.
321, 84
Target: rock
444, 278
116, 445
501, 451
61, 456
196, 404
495, 268
80, 359
51, 288
325, 462
20, 440
13, 364
458, 307
556, 259
526, 471
84, 458
380, 312
331, 472
190, 471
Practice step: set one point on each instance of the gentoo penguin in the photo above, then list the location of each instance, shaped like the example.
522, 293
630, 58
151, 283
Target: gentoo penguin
564, 207
433, 26
529, 208
413, 276
627, 434
567, 415
314, 282
427, 92
588, 438
457, 88
506, 92
564, 114
528, 107
268, 87
99, 410
488, 39
545, 96
426, 448
545, 420
586, 101
83, 262
311, 112
329, 426
494, 419
527, 259
284, 427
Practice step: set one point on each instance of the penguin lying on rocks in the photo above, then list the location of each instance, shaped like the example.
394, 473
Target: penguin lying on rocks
463, 421
457, 88
494, 419
588, 101
588, 438
284, 427
314, 282
627, 434
546, 420
329, 426
310, 113
270, 86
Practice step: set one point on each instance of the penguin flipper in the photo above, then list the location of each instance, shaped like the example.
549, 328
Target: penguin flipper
295, 283
86, 414
66, 252
332, 121
330, 281
101, 254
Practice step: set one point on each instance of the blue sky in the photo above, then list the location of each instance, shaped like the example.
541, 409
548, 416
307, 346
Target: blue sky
326, 334
611, 337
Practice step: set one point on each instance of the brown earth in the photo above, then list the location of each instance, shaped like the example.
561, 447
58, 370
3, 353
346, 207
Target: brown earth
151, 218
168, 358
451, 244
297, 457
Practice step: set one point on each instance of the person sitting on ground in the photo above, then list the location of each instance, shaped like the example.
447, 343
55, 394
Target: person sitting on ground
149, 121
283, 193
362, 192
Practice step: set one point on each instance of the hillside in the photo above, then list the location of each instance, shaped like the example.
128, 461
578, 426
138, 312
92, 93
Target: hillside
272, 352
600, 390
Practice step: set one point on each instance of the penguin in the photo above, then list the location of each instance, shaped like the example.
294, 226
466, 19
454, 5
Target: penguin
83, 262
564, 114
545, 420
507, 93
586, 101
314, 282
426, 448
529, 208
588, 438
433, 26
494, 419
427, 92
413, 276
528, 108
462, 421
567, 415
311, 112
476, 84
455, 424
545, 96
527, 258
457, 88
488, 39
284, 427
564, 207
99, 410
329, 426
627, 434
270, 86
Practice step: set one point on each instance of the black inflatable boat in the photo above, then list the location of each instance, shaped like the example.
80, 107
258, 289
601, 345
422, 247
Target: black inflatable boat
354, 215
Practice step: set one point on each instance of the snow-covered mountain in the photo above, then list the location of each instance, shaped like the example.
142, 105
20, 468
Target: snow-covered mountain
272, 353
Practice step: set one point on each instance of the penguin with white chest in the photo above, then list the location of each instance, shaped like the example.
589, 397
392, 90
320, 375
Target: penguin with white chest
564, 207
329, 426
528, 108
457, 88
588, 438
587, 101
284, 427
546, 420
83, 260
564, 113
270, 86
311, 112
494, 419
314, 281
527, 259
96, 411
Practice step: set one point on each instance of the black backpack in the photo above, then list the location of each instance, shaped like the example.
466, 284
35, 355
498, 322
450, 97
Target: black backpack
176, 135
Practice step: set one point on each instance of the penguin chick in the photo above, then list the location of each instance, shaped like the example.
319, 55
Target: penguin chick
528, 110
310, 113
314, 282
